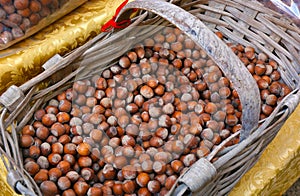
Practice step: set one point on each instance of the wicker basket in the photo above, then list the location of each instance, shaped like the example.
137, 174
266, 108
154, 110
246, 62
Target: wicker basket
246, 23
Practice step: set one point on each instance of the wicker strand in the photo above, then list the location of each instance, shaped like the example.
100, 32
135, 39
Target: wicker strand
18, 156
20, 107
292, 102
198, 175
11, 98
3, 130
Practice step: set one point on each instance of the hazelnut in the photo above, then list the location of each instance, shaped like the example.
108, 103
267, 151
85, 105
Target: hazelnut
275, 75
147, 92
34, 18
162, 133
69, 192
203, 151
21, 4
129, 186
132, 108
85, 161
285, 90
128, 140
106, 190
26, 141
168, 108
177, 147
64, 139
156, 142
124, 62
45, 149
207, 134
154, 112
37, 124
128, 151
188, 160
129, 172
123, 121
262, 84
159, 90
64, 166
80, 87
271, 100
109, 172
153, 186
177, 166
275, 88
164, 121
143, 179
94, 191
73, 176
81, 188
43, 162
210, 108
159, 167
266, 109
224, 133
231, 120
32, 168
42, 132
170, 181
224, 92
48, 119
54, 174
35, 6
84, 149
96, 135
217, 139
28, 130
63, 183
106, 102
139, 100
54, 158
87, 174
57, 148
144, 192
120, 162
5, 2
70, 158
260, 69
77, 139
48, 188
117, 188
41, 176
267, 78
51, 109
147, 166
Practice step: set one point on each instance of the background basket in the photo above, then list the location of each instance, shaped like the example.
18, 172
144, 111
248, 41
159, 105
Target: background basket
266, 32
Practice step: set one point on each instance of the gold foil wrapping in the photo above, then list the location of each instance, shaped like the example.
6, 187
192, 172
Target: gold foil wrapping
6, 190
22, 61
275, 172
278, 167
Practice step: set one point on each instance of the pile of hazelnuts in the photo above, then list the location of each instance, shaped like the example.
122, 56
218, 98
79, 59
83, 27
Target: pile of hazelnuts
18, 16
137, 126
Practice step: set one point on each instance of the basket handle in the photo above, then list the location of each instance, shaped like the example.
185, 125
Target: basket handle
217, 50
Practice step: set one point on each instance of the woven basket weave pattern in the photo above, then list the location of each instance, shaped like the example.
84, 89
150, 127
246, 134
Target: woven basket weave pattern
247, 23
